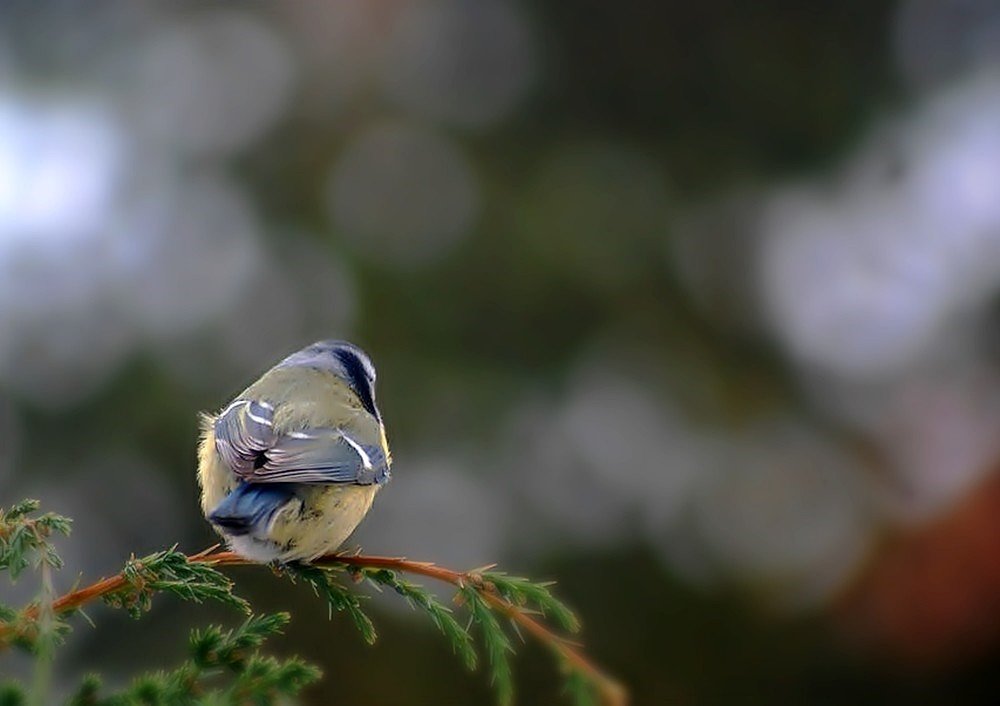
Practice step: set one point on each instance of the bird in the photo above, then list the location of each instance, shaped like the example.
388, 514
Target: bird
291, 466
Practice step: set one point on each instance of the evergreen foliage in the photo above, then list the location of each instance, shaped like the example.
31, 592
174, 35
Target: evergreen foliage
226, 667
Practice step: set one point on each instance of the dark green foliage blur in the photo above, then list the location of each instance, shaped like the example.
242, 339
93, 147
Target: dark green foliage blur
711, 95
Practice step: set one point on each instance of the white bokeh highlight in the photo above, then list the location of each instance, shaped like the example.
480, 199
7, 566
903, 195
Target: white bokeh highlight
192, 246
60, 164
213, 84
862, 279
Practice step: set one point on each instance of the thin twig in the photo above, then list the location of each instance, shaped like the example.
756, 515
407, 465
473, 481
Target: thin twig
613, 694
612, 691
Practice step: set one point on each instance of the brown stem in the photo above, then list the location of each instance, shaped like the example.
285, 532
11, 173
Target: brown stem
612, 691
613, 694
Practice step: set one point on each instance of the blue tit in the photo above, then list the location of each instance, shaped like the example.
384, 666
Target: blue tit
291, 466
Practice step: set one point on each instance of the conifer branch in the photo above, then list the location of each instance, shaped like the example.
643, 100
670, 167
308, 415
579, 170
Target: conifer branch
486, 593
506, 595
217, 656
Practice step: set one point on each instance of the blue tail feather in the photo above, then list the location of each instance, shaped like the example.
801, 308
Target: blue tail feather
250, 507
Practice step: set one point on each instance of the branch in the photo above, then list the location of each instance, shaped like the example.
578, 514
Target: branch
482, 582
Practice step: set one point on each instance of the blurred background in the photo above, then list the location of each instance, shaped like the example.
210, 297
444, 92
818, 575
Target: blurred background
690, 306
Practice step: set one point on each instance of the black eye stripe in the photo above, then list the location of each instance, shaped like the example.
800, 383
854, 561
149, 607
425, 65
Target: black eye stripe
357, 377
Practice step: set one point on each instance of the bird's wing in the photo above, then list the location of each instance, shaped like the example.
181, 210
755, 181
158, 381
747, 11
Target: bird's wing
243, 432
321, 456
246, 440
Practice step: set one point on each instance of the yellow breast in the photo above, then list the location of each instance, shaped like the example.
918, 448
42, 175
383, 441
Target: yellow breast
327, 516
215, 478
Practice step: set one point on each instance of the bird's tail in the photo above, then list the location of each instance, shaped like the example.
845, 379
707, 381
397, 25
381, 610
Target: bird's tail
248, 509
